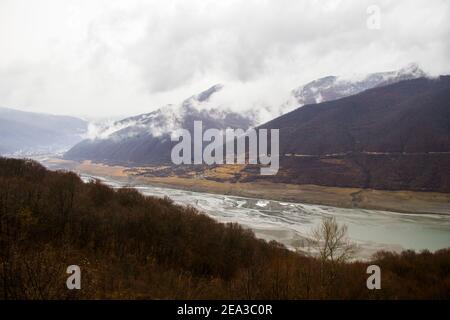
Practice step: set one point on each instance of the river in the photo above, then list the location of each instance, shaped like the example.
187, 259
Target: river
292, 223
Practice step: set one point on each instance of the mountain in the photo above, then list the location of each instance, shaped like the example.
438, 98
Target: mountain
27, 132
394, 135
390, 137
146, 138
332, 87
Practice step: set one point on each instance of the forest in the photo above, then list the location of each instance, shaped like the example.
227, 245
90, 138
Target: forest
130, 246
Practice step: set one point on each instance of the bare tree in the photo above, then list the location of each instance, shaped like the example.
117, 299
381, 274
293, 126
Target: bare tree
332, 241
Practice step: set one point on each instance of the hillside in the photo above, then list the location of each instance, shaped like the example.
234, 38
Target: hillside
131, 246
391, 137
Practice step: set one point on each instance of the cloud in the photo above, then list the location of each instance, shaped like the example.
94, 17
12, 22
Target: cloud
103, 58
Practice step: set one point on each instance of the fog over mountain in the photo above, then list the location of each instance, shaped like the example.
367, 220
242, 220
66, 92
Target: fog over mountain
145, 138
333, 87
172, 117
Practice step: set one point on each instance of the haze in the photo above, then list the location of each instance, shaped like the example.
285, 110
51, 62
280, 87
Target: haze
111, 58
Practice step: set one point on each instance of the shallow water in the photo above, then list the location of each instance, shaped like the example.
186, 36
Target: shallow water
291, 223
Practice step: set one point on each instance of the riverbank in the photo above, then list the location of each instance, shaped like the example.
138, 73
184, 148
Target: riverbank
396, 201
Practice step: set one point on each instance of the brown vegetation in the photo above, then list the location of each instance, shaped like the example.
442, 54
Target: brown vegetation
131, 246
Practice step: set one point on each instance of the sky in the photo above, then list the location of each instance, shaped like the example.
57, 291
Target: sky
108, 58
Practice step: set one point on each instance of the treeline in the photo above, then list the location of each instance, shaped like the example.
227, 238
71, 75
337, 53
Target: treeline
131, 246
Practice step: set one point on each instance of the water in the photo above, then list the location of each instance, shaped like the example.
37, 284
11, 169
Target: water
291, 223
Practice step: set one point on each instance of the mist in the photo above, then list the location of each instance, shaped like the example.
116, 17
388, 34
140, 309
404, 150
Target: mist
108, 59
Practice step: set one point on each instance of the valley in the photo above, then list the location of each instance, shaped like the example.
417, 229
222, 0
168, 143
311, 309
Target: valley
377, 220
221, 181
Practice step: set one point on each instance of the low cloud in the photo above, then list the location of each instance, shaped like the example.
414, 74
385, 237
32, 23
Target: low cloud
103, 58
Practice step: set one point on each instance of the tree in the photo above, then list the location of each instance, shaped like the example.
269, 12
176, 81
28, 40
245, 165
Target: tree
331, 240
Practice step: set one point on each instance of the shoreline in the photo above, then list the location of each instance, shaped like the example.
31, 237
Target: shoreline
413, 202
310, 194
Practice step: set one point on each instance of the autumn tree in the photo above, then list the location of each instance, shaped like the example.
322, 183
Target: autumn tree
331, 241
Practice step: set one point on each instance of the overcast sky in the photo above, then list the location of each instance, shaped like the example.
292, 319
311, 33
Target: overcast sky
108, 58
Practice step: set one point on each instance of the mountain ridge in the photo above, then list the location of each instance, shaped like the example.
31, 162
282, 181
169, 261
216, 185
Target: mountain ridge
23, 132
154, 128
146, 138
334, 87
